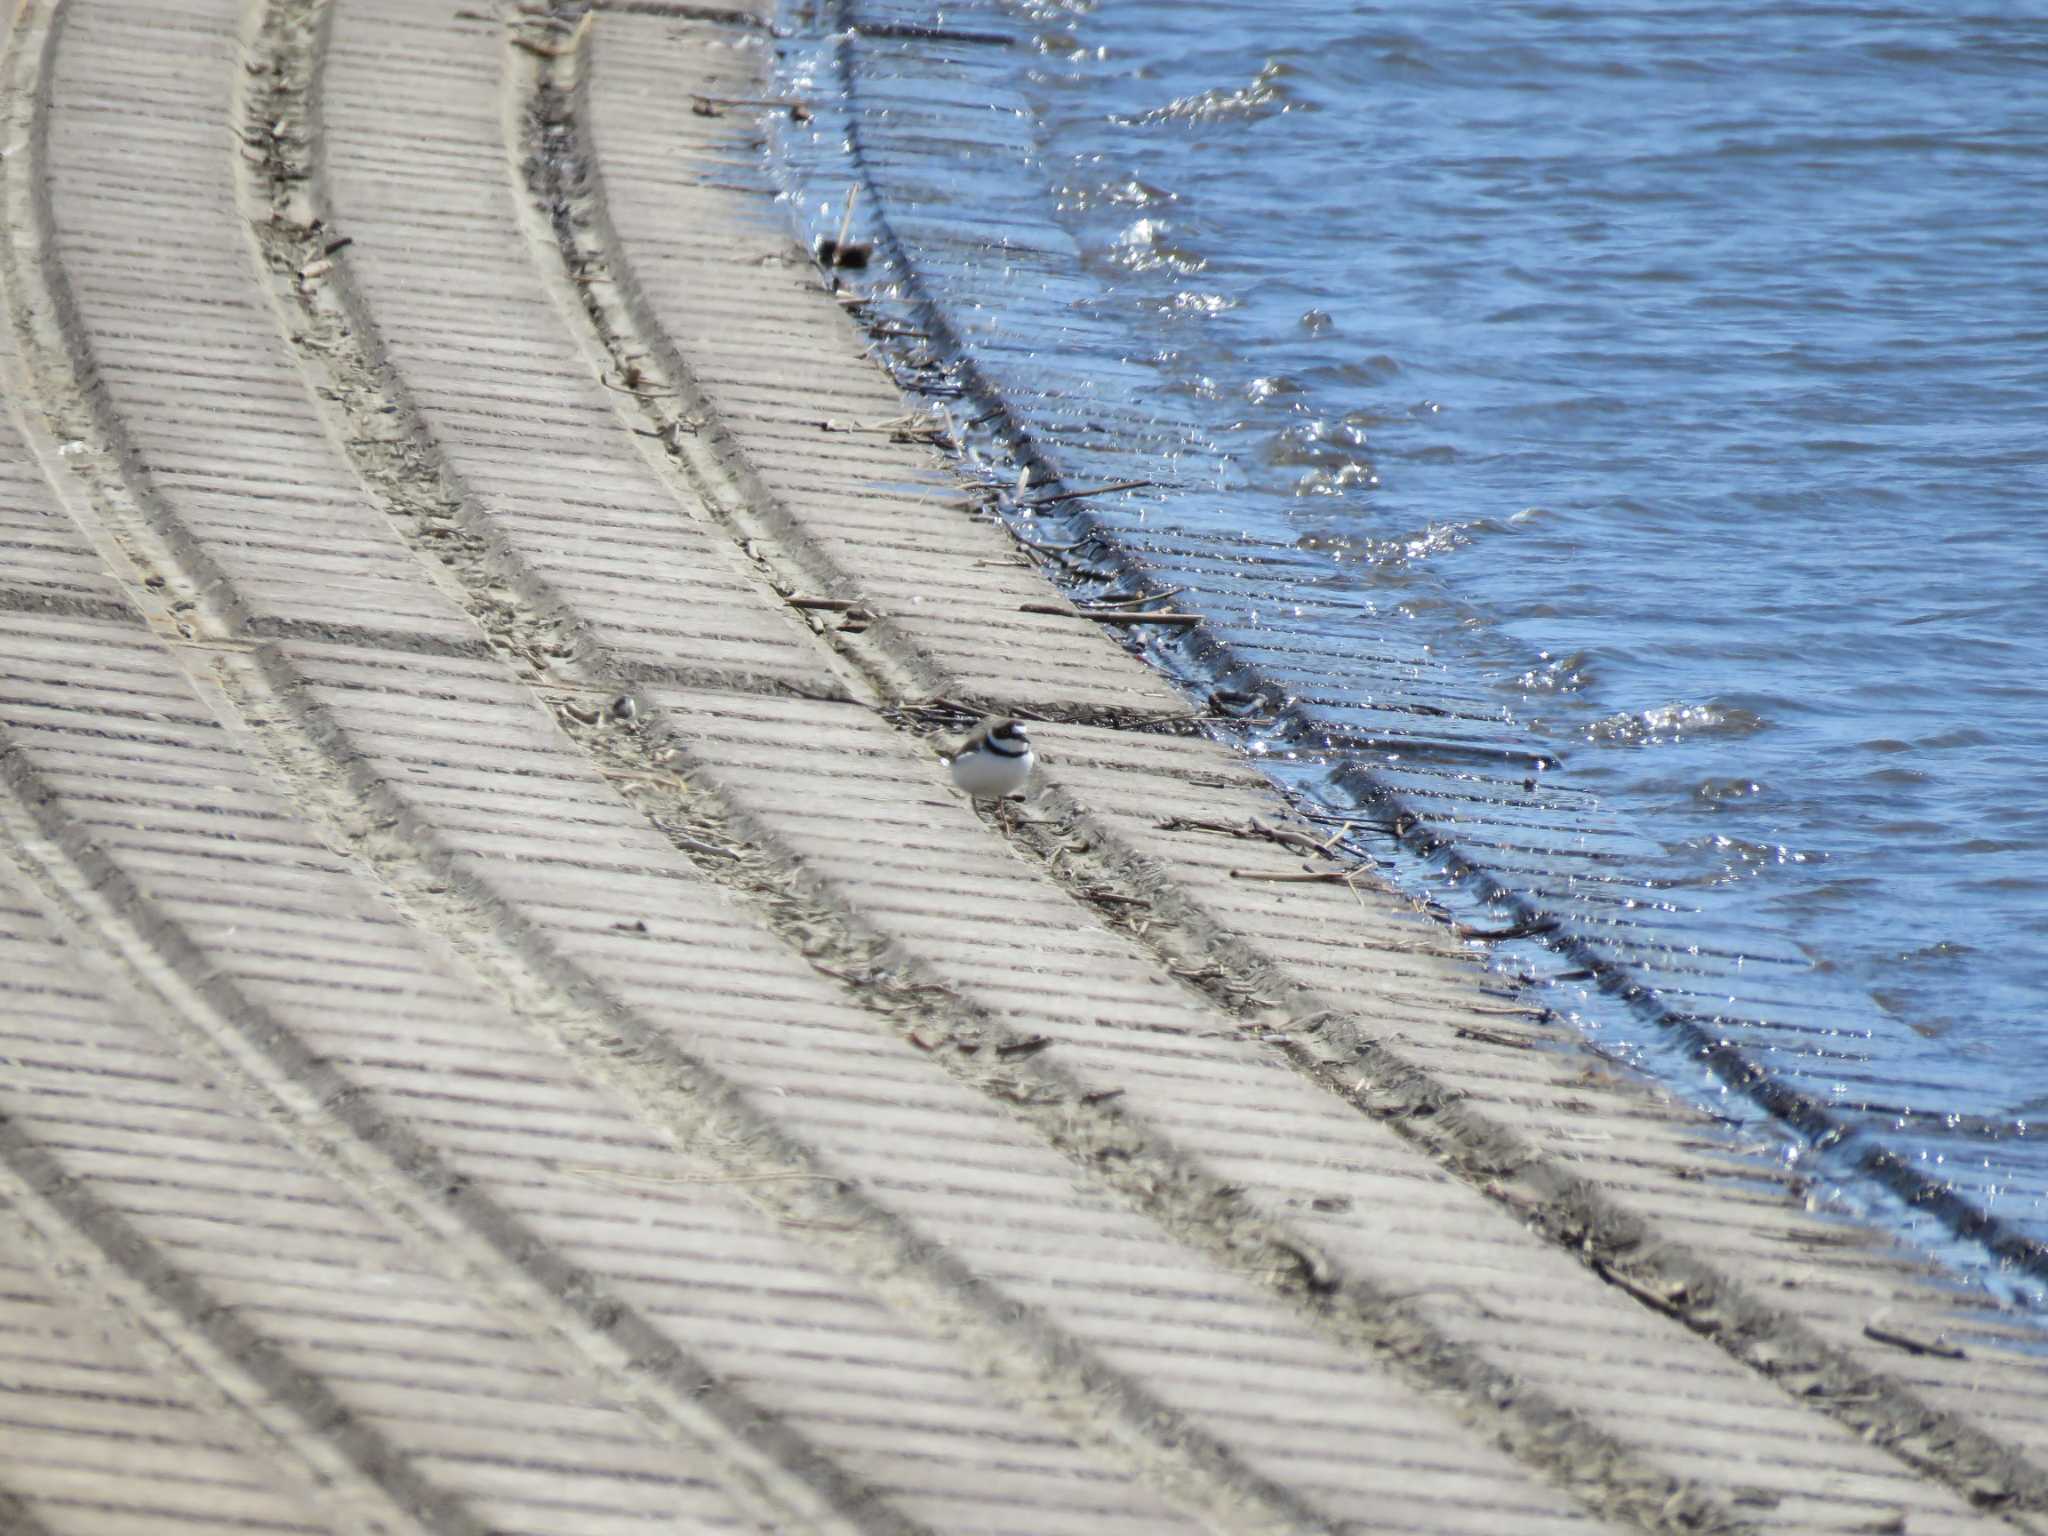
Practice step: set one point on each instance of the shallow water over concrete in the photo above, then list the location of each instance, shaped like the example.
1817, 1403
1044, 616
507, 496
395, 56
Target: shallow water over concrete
1595, 428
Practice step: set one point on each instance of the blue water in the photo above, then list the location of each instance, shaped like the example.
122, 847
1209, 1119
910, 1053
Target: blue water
1699, 357
1675, 376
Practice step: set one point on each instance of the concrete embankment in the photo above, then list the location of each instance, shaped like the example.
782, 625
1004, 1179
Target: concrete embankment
507, 1026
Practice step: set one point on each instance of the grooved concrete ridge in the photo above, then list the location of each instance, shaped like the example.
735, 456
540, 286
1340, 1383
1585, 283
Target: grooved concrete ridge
506, 1027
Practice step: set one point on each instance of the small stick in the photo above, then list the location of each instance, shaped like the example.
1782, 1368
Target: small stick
1649, 1298
1527, 930
827, 604
637, 394
846, 219
905, 423
1093, 490
1307, 877
1195, 824
1181, 620
748, 101
1492, 1037
698, 845
1453, 1290
1182, 717
1110, 615
1913, 1346
1253, 828
1132, 602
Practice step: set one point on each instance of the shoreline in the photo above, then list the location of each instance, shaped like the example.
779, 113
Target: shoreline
517, 1021
1458, 806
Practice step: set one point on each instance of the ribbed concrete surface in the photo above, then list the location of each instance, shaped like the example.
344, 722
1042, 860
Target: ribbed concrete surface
507, 1027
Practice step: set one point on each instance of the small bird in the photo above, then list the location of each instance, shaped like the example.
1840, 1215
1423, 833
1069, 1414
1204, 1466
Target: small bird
995, 761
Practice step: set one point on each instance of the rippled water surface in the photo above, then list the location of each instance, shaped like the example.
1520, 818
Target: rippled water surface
1691, 366
1659, 387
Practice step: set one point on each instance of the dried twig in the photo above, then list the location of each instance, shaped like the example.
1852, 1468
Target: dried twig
1342, 876
787, 103
1093, 490
1251, 828
629, 389
1670, 1306
1132, 602
1110, 615
1187, 717
827, 604
1523, 930
1912, 1345
1492, 1037
910, 421
846, 218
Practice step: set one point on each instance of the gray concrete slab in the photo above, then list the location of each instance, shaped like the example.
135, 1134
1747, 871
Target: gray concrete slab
505, 1024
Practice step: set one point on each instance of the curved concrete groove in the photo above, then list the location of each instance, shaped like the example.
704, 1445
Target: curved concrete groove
1614, 1243
601, 299
241, 683
708, 830
159, 947
507, 842
554, 116
41, 315
129, 1370
558, 222
521, 598
260, 1381
1666, 1494
435, 1199
1617, 1238
236, 680
1982, 1475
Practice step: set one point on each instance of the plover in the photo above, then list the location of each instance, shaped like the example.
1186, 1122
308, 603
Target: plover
995, 761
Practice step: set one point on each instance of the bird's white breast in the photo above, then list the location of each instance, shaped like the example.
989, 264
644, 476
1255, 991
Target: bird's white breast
990, 775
